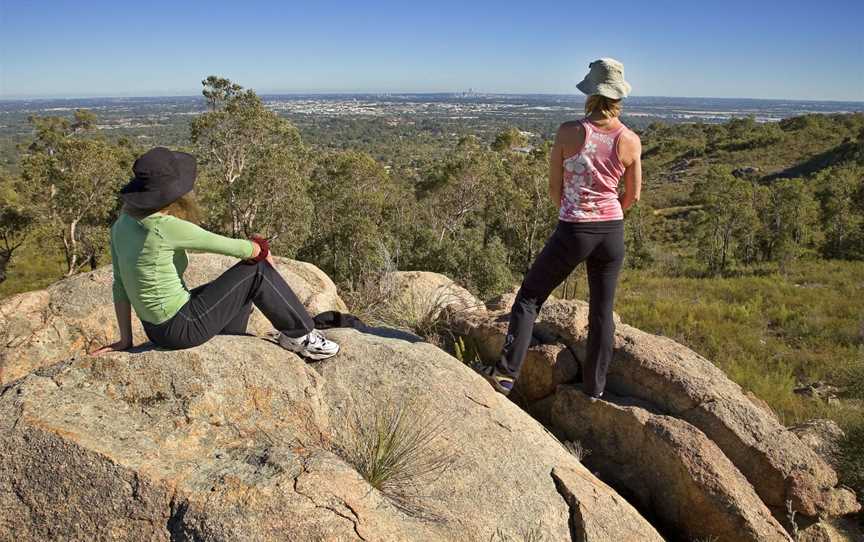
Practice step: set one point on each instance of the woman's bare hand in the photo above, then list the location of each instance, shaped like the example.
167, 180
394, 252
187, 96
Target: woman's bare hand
119, 346
256, 250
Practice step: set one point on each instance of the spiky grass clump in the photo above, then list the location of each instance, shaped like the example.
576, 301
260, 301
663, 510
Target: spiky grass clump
395, 446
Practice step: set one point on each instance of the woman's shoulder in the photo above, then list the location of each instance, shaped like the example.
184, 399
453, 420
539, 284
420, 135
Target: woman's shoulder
571, 125
159, 218
570, 130
166, 225
628, 136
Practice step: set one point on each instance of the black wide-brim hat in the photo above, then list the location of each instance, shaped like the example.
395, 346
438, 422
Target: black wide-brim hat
162, 176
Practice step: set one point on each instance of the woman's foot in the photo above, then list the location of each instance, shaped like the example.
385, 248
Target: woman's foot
503, 383
313, 346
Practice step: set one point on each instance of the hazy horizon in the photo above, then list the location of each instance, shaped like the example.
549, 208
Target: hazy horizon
265, 93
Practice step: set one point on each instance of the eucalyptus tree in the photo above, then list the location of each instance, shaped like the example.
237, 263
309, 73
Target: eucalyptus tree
16, 222
73, 186
253, 167
71, 176
352, 195
727, 215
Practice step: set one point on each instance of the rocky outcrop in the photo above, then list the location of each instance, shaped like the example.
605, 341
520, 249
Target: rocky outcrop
676, 381
503, 456
822, 436
240, 440
76, 314
233, 440
662, 463
686, 385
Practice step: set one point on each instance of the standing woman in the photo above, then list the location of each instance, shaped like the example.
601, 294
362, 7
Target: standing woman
148, 251
589, 158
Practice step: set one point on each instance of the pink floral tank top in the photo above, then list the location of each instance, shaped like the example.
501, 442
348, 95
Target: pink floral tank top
590, 191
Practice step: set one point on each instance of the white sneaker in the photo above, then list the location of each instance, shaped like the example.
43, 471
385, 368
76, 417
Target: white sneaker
314, 345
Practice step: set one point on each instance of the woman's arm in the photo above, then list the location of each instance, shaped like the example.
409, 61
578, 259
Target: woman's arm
181, 234
631, 157
556, 170
123, 311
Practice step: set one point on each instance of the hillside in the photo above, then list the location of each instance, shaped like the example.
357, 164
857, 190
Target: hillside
676, 155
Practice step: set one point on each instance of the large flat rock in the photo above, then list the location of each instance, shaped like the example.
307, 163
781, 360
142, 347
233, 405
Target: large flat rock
240, 440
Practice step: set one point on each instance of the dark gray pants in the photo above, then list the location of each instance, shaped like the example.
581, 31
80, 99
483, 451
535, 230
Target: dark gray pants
601, 244
224, 306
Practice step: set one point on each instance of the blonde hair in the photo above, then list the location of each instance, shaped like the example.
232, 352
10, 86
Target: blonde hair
185, 208
603, 106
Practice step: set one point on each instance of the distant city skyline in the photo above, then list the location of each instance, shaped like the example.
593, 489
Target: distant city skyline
764, 50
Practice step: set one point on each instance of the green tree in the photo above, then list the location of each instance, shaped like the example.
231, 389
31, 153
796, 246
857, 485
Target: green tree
254, 167
16, 223
351, 194
509, 139
838, 190
637, 236
73, 185
789, 217
218, 91
71, 176
520, 211
461, 188
727, 217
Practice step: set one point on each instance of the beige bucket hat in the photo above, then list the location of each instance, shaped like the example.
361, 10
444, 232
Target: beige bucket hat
606, 78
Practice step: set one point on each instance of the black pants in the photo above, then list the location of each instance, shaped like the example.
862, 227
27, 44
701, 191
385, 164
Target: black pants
602, 245
224, 306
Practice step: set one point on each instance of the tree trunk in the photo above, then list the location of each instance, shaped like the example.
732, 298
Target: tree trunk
5, 258
71, 246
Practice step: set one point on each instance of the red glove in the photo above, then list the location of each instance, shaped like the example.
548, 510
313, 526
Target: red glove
264, 245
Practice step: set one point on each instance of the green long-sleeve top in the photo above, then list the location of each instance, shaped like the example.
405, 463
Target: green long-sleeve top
149, 258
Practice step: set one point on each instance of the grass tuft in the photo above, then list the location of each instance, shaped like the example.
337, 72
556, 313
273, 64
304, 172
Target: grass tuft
396, 446
532, 533
576, 449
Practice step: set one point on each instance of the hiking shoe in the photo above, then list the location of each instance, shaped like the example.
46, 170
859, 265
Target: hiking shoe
313, 346
503, 383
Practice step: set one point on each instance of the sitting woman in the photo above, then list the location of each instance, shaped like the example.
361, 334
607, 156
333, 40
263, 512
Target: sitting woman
148, 250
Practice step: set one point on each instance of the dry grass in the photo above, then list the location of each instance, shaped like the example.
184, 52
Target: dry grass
381, 301
793, 524
396, 446
532, 533
576, 449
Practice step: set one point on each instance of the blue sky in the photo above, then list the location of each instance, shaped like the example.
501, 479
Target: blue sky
758, 49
